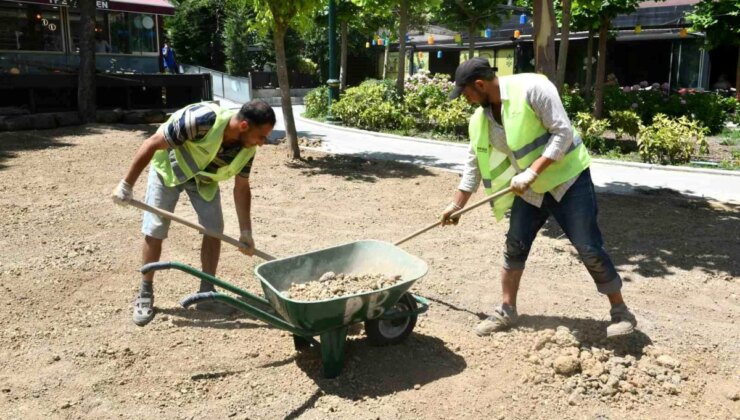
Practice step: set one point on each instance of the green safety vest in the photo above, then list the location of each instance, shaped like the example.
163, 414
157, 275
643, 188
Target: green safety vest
189, 161
526, 137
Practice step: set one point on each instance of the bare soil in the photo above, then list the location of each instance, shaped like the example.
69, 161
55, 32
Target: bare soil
68, 275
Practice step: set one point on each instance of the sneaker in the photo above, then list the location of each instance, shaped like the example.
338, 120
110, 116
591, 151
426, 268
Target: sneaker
143, 310
216, 307
503, 318
623, 322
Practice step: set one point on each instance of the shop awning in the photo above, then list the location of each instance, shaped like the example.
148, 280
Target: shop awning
159, 7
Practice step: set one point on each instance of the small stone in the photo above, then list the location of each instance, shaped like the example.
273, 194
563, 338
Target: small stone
566, 365
66, 405
733, 395
668, 361
574, 398
670, 388
417, 387
329, 275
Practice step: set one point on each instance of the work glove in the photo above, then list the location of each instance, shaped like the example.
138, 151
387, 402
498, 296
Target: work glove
522, 181
123, 193
248, 241
451, 208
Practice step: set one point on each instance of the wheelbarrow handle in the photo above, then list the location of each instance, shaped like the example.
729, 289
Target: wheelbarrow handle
455, 214
168, 215
190, 300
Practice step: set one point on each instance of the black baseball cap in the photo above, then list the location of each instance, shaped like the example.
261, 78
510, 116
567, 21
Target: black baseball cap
469, 71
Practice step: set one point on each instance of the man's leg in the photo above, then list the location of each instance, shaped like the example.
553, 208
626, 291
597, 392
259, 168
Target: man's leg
210, 216
526, 220
155, 231
577, 215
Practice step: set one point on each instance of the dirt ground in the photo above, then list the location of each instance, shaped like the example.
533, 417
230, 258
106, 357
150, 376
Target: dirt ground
68, 275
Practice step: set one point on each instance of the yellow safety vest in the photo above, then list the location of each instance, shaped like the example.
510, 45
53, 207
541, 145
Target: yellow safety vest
526, 137
190, 160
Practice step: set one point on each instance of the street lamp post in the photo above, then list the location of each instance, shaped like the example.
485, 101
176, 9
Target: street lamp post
333, 81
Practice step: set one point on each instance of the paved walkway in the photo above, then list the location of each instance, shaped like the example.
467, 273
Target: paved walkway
610, 176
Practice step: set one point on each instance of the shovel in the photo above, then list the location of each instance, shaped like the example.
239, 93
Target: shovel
167, 215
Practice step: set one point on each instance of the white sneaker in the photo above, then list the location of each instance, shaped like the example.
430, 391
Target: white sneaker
503, 318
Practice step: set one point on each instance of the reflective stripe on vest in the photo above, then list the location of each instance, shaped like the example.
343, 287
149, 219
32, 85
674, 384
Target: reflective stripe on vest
190, 160
527, 138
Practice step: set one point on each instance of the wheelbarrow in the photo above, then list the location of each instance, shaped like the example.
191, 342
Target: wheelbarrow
389, 313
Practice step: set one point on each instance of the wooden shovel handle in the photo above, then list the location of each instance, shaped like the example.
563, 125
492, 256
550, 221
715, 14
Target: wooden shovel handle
199, 228
455, 214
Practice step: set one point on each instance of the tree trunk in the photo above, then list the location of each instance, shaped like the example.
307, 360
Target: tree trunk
737, 77
589, 65
403, 24
86, 76
343, 56
386, 58
294, 152
563, 51
471, 39
544, 38
601, 68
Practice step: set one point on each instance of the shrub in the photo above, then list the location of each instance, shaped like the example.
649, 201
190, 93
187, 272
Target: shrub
372, 105
671, 141
625, 122
423, 93
709, 109
574, 102
592, 131
316, 102
451, 118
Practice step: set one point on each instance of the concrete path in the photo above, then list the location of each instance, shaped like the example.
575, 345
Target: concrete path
609, 176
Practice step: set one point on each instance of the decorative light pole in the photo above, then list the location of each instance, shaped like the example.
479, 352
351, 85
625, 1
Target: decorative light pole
333, 81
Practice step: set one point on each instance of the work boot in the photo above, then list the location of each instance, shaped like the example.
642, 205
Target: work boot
143, 309
623, 321
503, 318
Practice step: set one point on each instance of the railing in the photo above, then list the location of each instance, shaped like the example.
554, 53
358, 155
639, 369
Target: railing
269, 80
233, 88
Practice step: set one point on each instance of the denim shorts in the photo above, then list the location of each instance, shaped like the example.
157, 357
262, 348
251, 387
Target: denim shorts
576, 213
161, 196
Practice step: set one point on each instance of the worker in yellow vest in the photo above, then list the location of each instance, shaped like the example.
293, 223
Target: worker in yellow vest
520, 136
199, 146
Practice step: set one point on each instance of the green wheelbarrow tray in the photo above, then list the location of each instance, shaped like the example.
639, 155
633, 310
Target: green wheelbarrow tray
389, 313
361, 257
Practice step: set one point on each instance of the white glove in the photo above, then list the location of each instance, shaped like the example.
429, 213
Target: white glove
122, 193
246, 239
522, 181
451, 208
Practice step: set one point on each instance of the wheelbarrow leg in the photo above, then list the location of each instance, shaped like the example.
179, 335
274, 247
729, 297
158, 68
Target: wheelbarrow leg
332, 351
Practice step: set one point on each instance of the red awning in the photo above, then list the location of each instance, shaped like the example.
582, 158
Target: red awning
160, 7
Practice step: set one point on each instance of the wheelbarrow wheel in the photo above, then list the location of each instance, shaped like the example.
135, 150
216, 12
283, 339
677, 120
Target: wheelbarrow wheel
383, 332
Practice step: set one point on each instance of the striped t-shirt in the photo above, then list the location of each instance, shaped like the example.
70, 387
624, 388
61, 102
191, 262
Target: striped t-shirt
192, 123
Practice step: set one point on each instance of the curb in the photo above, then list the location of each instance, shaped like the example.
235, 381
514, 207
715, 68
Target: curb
600, 161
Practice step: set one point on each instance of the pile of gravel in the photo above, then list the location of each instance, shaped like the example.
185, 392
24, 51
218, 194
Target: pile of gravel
579, 370
332, 285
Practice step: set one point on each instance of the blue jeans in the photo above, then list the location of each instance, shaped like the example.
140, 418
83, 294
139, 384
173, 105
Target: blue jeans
576, 214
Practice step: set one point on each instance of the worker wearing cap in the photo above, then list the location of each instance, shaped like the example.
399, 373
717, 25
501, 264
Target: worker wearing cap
199, 146
520, 136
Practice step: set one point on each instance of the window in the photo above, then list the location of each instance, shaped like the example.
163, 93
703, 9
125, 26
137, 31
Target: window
30, 27
132, 33
102, 39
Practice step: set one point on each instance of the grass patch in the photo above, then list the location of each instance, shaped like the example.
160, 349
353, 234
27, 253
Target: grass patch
729, 137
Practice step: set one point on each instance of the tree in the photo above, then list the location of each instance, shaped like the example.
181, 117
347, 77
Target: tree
86, 99
564, 41
196, 32
720, 19
246, 50
279, 16
470, 16
584, 17
544, 38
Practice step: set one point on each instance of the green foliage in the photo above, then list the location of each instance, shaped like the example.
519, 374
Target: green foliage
592, 131
671, 141
246, 50
464, 15
573, 102
450, 119
316, 102
720, 19
625, 123
196, 32
423, 92
373, 105
708, 109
